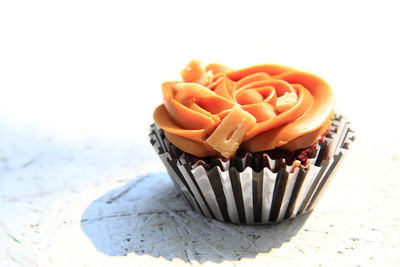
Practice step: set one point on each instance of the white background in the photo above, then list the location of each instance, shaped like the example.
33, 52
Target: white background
96, 66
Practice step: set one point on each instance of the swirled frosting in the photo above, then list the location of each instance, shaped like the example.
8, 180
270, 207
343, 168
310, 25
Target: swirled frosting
216, 110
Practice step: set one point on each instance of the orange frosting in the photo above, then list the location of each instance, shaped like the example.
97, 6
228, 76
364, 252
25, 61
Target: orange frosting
281, 108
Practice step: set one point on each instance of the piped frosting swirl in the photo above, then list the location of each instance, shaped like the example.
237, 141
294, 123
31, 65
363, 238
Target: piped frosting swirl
216, 110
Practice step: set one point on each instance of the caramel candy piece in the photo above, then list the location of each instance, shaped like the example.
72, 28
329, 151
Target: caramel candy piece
286, 101
230, 133
195, 73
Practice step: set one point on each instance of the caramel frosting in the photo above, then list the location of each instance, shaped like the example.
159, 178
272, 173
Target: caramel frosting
216, 110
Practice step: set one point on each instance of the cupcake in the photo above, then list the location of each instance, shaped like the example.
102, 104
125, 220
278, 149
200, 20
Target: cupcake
253, 146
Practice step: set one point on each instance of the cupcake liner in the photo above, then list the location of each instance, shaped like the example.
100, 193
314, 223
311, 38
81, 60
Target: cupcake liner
254, 188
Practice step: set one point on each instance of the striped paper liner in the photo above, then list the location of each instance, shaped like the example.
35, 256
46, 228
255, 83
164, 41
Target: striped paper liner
239, 191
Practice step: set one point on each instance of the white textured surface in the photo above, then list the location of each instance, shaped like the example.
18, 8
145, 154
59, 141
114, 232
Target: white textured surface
88, 202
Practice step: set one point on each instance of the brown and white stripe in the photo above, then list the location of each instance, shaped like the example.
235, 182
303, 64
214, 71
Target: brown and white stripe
238, 193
